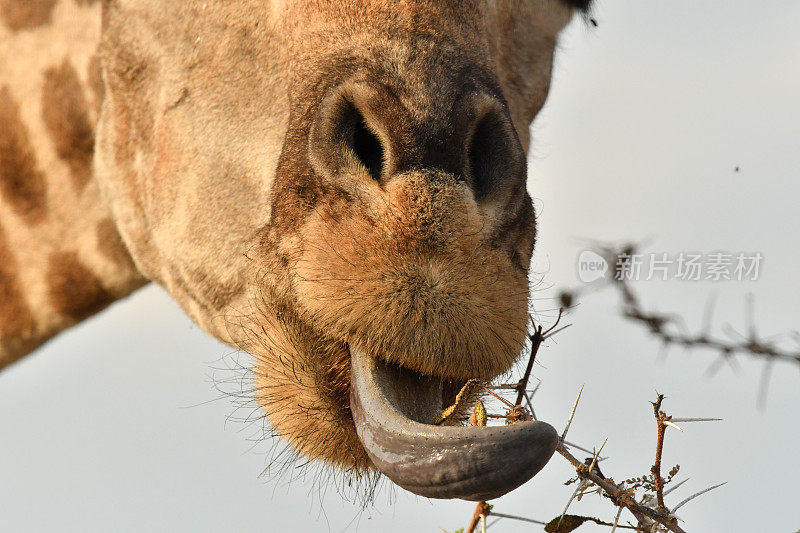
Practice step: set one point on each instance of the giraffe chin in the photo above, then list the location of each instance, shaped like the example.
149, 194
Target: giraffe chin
392, 408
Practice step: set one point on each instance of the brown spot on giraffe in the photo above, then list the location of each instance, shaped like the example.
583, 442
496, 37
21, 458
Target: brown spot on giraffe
66, 115
111, 246
16, 321
74, 290
22, 184
26, 14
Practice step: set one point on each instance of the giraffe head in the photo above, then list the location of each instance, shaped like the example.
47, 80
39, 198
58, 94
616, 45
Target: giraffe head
338, 187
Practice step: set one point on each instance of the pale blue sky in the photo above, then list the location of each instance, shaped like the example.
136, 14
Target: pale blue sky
106, 429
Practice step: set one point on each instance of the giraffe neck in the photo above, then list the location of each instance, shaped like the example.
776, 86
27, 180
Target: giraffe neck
61, 257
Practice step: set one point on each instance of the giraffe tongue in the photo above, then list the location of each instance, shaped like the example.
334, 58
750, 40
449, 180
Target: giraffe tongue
390, 406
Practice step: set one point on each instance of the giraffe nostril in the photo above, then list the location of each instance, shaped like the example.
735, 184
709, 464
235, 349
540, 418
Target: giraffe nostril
343, 139
494, 154
367, 147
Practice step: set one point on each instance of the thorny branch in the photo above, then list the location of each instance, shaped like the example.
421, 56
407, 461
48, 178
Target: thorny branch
623, 495
481, 511
658, 481
666, 326
669, 327
536, 341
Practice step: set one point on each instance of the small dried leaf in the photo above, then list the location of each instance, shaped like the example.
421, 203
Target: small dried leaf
478, 417
565, 524
461, 398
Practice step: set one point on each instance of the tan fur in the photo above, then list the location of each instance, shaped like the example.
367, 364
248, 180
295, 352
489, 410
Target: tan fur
22, 183
302, 382
55, 268
17, 323
217, 172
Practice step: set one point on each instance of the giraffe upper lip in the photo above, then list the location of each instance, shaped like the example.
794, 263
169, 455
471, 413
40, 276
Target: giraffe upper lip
391, 407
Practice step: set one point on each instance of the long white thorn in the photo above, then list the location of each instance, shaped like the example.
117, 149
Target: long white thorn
520, 518
695, 495
675, 486
573, 445
594, 459
581, 485
572, 414
616, 520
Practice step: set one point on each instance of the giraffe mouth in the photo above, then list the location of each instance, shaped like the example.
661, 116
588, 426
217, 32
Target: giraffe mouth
392, 407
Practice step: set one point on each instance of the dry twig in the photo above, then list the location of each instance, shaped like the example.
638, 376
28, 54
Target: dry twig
658, 481
667, 326
622, 495
481, 510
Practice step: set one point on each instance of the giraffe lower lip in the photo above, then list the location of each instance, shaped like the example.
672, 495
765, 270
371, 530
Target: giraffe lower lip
390, 407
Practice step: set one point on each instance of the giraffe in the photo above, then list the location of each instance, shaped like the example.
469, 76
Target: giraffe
61, 257
336, 187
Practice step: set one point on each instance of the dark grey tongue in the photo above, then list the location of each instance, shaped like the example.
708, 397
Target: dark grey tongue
389, 408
